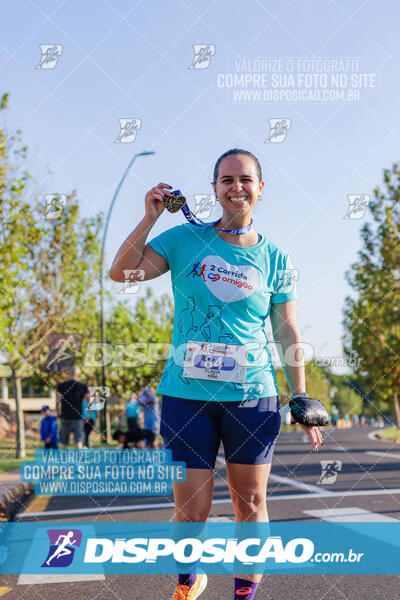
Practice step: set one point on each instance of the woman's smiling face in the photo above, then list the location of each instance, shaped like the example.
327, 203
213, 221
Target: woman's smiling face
238, 186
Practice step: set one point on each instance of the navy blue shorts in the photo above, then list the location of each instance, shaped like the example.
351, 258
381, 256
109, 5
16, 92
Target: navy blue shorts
194, 429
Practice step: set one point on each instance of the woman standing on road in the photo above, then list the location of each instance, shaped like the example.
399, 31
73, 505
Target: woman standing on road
219, 382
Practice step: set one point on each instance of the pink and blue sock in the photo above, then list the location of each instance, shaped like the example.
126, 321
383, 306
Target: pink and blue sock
244, 589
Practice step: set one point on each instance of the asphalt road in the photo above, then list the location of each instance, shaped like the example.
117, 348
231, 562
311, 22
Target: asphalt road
366, 487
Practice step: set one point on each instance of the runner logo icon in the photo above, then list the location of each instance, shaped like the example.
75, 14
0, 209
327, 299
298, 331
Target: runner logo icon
62, 547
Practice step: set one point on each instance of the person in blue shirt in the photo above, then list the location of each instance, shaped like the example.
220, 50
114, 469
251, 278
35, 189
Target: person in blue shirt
48, 429
89, 419
151, 414
218, 383
132, 410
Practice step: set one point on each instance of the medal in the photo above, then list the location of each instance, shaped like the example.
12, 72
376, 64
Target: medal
173, 204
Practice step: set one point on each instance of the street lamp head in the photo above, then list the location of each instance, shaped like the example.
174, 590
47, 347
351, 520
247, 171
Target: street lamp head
145, 153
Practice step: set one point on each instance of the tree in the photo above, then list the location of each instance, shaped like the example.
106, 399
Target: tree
49, 271
138, 342
344, 393
317, 384
371, 317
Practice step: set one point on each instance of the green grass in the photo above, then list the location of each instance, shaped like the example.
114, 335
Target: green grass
392, 433
8, 461
290, 428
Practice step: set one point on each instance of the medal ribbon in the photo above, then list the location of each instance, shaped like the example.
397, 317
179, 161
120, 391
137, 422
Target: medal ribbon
199, 223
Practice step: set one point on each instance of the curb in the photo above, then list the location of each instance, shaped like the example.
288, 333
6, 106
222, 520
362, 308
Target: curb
374, 435
10, 502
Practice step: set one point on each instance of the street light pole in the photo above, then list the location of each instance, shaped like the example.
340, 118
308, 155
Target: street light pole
104, 415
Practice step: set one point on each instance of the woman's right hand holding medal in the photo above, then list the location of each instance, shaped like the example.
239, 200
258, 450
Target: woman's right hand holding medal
154, 202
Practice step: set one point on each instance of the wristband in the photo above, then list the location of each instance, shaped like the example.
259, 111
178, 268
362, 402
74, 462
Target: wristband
303, 395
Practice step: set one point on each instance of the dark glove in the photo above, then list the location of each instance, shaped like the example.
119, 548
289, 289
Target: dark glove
308, 411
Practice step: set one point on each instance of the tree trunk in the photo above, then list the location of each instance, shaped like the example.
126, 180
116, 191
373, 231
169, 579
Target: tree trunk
108, 425
16, 382
396, 408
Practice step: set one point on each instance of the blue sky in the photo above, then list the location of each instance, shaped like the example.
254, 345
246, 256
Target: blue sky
125, 59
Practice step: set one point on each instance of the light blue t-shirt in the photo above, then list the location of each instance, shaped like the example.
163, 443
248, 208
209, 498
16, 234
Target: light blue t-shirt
86, 413
132, 409
222, 294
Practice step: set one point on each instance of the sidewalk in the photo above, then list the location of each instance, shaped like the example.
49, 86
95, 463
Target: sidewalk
12, 494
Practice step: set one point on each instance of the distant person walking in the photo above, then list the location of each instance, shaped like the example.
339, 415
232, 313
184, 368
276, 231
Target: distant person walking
70, 394
89, 419
151, 413
132, 410
48, 429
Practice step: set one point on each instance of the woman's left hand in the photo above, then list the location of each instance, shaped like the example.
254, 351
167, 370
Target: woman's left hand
314, 434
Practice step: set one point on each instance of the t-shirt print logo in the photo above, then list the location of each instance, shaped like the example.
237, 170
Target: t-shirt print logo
229, 283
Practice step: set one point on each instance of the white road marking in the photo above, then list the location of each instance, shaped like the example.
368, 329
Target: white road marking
299, 484
99, 510
385, 454
165, 505
347, 517
29, 579
352, 514
291, 482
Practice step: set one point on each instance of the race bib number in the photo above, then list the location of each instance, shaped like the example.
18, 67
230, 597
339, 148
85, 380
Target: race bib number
215, 361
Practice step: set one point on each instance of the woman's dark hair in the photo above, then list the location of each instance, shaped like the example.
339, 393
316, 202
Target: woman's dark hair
236, 151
